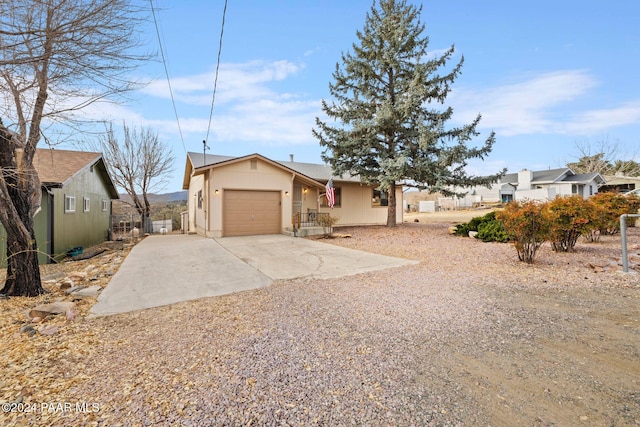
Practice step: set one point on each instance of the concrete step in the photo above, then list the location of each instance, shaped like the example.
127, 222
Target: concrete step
304, 231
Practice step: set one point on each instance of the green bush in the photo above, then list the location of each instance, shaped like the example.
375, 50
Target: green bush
474, 224
492, 231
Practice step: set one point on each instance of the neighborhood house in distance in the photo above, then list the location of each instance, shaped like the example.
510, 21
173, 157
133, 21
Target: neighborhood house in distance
251, 195
534, 185
76, 203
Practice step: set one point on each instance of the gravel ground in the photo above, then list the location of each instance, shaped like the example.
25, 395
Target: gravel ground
470, 336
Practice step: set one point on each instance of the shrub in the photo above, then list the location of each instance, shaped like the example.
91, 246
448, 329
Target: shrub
492, 231
569, 218
527, 226
613, 205
474, 224
327, 222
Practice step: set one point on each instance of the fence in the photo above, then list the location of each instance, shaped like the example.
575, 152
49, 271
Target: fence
125, 226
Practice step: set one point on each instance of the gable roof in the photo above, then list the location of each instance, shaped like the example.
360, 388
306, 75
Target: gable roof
555, 175
314, 171
549, 175
218, 161
56, 168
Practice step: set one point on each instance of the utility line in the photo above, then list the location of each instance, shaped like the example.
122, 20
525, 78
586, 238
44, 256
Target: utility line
166, 71
215, 82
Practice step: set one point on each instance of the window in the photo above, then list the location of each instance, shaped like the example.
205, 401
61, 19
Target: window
105, 205
337, 191
379, 198
200, 199
86, 204
69, 204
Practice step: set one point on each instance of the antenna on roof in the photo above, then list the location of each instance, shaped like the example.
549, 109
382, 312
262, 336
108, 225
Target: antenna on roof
204, 151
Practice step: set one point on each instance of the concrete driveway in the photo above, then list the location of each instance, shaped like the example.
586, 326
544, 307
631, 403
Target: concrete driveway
163, 270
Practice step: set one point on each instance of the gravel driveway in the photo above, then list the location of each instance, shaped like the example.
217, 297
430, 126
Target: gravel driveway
469, 336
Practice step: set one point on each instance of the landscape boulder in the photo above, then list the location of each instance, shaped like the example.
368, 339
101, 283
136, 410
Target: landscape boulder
43, 310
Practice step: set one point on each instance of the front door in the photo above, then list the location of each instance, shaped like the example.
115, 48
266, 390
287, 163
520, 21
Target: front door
297, 200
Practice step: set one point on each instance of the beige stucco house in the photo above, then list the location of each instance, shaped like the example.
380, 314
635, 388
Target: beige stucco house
236, 196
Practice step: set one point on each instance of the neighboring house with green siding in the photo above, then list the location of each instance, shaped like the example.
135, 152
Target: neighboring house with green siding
76, 203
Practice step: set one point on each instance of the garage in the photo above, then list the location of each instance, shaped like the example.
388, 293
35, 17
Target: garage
251, 212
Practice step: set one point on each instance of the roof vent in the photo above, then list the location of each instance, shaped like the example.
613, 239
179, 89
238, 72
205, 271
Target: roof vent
291, 158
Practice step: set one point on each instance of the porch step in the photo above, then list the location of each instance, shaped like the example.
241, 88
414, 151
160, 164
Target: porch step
304, 231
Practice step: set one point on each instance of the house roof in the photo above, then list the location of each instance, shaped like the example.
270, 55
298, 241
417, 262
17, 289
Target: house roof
314, 171
585, 177
549, 175
56, 168
555, 175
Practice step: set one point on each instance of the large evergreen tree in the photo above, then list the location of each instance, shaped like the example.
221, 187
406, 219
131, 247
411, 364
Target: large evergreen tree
389, 128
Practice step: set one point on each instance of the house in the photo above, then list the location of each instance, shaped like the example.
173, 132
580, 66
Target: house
235, 196
620, 183
534, 185
76, 203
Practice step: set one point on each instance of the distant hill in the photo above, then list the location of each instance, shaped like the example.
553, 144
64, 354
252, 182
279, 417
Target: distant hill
177, 196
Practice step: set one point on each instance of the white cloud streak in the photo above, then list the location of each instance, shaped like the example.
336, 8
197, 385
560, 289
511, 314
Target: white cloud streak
544, 104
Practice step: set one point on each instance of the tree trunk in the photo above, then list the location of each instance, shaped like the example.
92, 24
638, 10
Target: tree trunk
20, 197
391, 209
23, 270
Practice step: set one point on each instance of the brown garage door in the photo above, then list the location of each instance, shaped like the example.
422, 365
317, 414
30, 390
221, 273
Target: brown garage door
246, 213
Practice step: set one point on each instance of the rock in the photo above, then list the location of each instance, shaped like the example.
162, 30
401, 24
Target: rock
452, 229
70, 314
37, 314
89, 268
48, 329
473, 233
67, 284
52, 308
90, 292
74, 289
78, 275
28, 329
53, 276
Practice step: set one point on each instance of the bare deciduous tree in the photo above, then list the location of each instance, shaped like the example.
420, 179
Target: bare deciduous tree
604, 157
56, 57
140, 165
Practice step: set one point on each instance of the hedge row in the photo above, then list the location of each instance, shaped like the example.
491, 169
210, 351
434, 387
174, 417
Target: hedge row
561, 221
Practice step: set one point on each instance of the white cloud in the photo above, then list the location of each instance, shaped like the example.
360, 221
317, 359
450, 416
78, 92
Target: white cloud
594, 121
544, 104
522, 108
247, 108
235, 81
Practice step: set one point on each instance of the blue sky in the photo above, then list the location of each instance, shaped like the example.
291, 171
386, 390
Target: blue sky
545, 75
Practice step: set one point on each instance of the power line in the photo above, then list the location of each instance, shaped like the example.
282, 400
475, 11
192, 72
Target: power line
166, 71
215, 81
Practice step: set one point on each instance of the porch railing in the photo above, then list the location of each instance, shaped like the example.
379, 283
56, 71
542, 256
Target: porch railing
308, 219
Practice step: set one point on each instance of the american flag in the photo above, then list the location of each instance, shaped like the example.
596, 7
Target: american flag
330, 193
